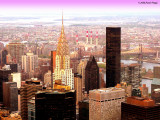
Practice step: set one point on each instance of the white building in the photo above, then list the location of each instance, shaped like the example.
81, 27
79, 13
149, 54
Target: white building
29, 62
16, 77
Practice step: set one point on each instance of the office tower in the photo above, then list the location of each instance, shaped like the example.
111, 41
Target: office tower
105, 103
81, 70
29, 63
4, 56
15, 77
16, 50
27, 91
84, 110
91, 75
31, 109
63, 71
140, 109
113, 57
134, 77
10, 95
96, 38
131, 74
58, 105
78, 88
4, 72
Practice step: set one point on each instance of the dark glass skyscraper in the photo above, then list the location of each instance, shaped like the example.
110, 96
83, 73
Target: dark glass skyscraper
91, 75
113, 57
56, 105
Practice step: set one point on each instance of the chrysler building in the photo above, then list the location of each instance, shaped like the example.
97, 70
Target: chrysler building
62, 69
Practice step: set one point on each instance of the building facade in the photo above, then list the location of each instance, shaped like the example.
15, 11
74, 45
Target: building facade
57, 105
4, 72
27, 91
29, 63
105, 103
91, 75
10, 95
16, 50
113, 56
62, 70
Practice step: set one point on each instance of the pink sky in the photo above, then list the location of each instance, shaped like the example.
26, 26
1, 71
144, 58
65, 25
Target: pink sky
107, 5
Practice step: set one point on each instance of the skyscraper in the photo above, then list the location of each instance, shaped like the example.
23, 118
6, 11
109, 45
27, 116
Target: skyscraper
62, 70
16, 50
91, 75
4, 72
10, 95
29, 63
28, 91
113, 57
55, 105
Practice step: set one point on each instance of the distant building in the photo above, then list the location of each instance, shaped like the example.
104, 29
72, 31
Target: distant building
156, 72
131, 74
91, 75
16, 77
81, 71
105, 103
113, 56
47, 79
4, 56
29, 63
16, 50
137, 108
10, 95
58, 105
27, 91
4, 72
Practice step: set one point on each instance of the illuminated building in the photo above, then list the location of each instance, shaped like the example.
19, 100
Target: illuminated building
54, 104
10, 95
91, 75
137, 108
27, 91
16, 50
16, 77
62, 70
113, 57
105, 103
4, 72
29, 63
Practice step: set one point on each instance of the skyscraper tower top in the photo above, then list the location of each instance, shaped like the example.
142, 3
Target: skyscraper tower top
62, 47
